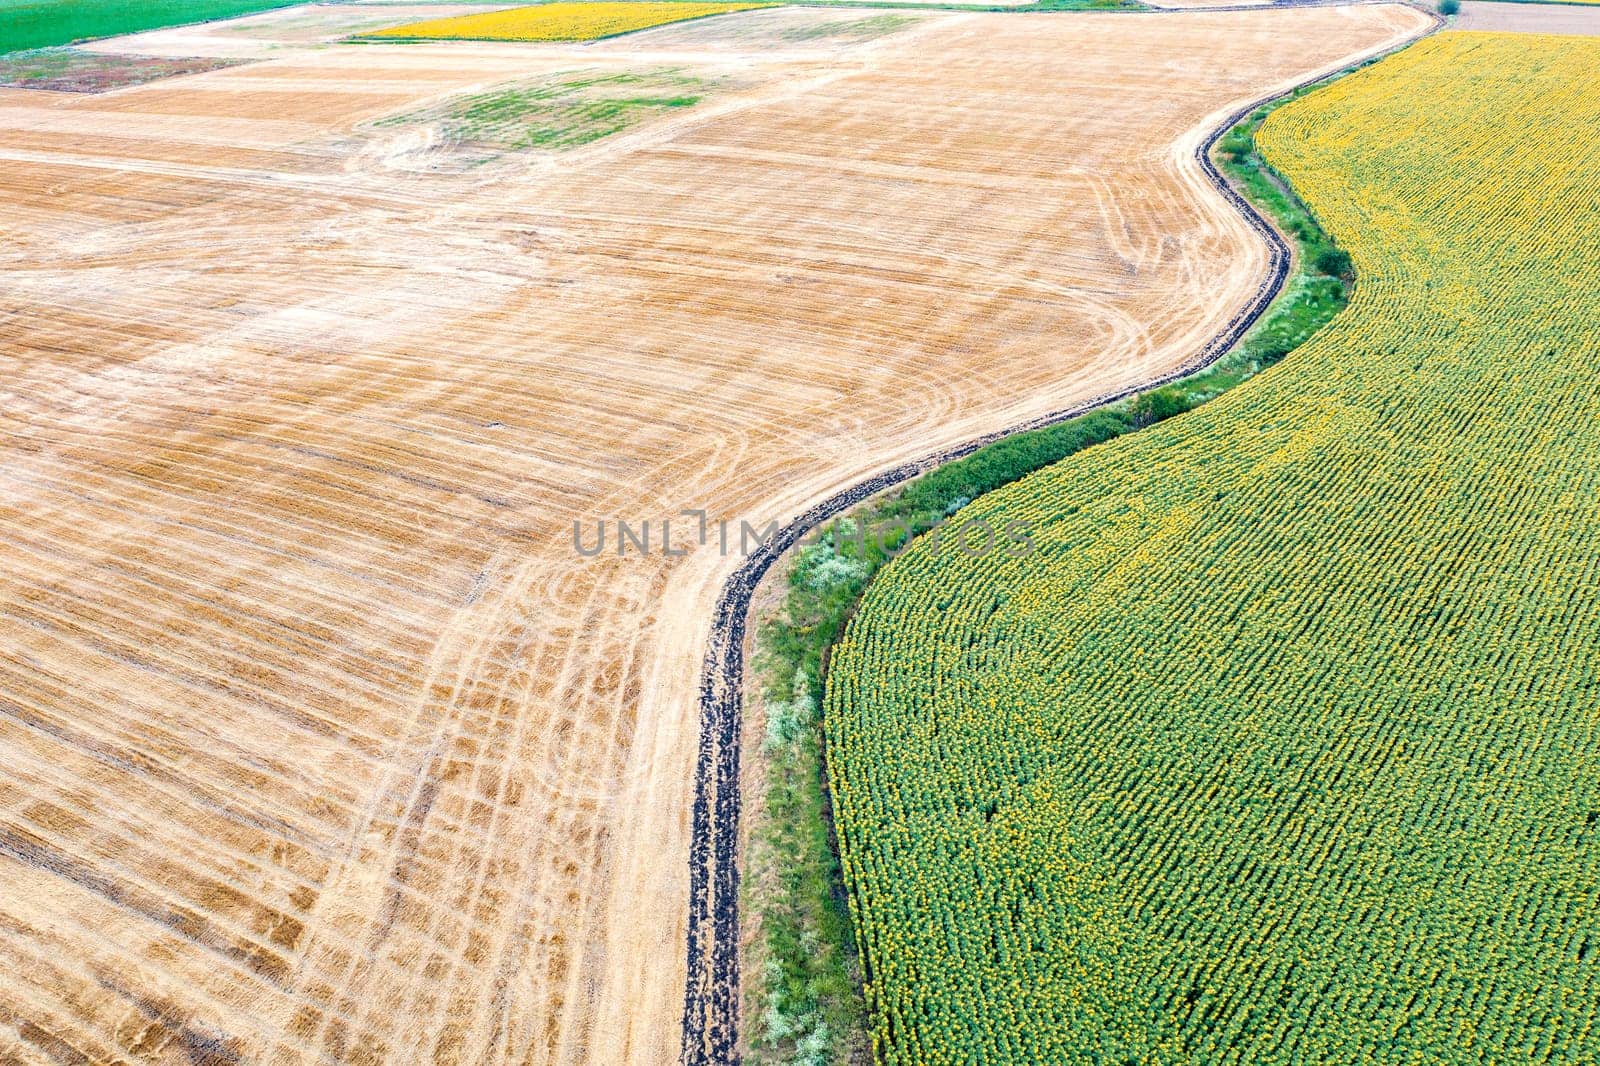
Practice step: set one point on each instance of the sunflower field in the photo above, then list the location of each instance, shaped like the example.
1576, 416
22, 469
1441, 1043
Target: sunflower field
559, 21
1283, 744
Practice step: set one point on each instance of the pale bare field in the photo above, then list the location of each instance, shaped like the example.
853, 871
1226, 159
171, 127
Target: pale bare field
318, 741
1196, 5
1529, 18
954, 3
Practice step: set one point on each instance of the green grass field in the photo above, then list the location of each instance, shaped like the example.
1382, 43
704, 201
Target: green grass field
42, 23
1282, 746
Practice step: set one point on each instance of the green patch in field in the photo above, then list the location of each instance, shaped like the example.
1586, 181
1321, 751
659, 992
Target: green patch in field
563, 112
862, 29
28, 24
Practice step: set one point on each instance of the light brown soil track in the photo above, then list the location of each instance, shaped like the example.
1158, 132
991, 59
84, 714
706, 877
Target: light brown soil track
317, 740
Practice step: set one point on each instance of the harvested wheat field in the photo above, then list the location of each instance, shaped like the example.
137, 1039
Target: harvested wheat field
1184, 5
1564, 18
318, 739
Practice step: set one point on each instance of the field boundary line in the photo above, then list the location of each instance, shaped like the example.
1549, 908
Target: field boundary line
711, 993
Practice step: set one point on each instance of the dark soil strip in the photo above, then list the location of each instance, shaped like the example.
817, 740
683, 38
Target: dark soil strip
68, 70
711, 997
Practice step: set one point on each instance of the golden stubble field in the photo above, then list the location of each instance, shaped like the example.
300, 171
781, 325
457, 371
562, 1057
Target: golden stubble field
318, 741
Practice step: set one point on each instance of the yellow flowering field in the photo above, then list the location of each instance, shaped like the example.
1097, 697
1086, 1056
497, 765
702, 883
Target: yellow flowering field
1282, 746
559, 21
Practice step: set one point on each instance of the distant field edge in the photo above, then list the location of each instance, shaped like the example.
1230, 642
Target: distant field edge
712, 989
1543, 3
1027, 7
561, 21
50, 23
